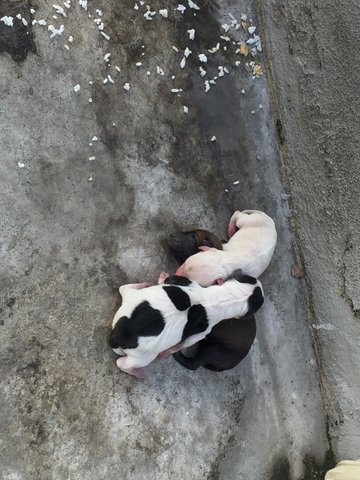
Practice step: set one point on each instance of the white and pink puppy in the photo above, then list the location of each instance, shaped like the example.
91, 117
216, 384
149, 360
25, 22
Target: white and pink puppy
250, 249
166, 318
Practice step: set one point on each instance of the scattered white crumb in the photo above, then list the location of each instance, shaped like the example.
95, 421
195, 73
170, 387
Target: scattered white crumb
225, 27
187, 52
18, 16
176, 90
90, 144
83, 4
236, 182
213, 139
226, 190
185, 109
261, 106
90, 100
149, 14
24, 21
181, 8
54, 17
110, 79
127, 86
21, 165
136, 6
92, 158
55, 31
251, 30
94, 139
117, 68
252, 112
224, 37
107, 57
243, 17
91, 82
148, 72
7, 20
237, 63
160, 71
99, 12
175, 48
215, 49
202, 71
114, 124
105, 35
193, 5
164, 13
207, 86
66, 47
202, 57
90, 179
41, 22
243, 91
77, 88
173, 77
191, 33
60, 10
105, 80
138, 64
183, 62
32, 11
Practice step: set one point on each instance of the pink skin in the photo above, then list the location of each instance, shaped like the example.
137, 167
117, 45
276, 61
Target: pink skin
231, 229
169, 351
162, 277
135, 372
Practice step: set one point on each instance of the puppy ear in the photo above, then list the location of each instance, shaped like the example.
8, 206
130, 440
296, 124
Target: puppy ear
207, 243
204, 248
219, 281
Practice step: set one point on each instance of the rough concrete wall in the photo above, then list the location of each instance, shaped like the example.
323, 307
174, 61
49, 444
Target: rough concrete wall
313, 52
73, 230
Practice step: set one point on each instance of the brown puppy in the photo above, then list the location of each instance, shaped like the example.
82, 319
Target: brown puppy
230, 340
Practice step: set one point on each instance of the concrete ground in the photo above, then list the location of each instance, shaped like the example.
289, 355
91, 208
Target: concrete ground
74, 228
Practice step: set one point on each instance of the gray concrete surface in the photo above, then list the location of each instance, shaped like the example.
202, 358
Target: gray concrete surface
314, 66
73, 230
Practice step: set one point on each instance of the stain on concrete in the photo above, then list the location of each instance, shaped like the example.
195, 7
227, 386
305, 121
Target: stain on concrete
17, 40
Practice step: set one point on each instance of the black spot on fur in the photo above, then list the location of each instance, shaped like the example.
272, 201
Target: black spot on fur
145, 321
256, 300
179, 298
238, 275
197, 321
177, 280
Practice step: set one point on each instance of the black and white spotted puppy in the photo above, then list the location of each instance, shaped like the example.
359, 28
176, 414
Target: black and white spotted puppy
169, 317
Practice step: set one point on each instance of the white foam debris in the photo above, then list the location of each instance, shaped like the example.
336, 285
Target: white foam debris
54, 17
173, 77
187, 52
185, 109
252, 112
226, 190
215, 49
91, 82
83, 4
34, 22
110, 79
126, 87
18, 16
212, 81
90, 144
67, 4
136, 6
149, 14
105, 81
191, 33
66, 47
183, 62
90, 179
55, 31
212, 139
99, 12
243, 91
138, 64
94, 139
41, 22
8, 20
237, 63
60, 10
164, 13
202, 57
193, 5
107, 57
176, 90
202, 71
225, 27
32, 11
207, 86
224, 37
148, 73
236, 182
20, 164
24, 21
77, 88
117, 68
261, 106
181, 8
251, 29
92, 158
160, 71
221, 71
255, 40
90, 100
243, 17
105, 35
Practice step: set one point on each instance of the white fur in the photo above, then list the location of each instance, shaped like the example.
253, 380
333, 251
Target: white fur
221, 302
250, 248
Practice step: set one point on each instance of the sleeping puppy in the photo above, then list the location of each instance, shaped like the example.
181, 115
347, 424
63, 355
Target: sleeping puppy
249, 249
167, 318
230, 340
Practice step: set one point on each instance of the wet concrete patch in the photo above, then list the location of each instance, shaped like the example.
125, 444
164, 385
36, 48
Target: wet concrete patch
17, 40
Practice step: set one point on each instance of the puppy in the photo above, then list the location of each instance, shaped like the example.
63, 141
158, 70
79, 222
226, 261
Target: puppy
230, 340
167, 318
249, 249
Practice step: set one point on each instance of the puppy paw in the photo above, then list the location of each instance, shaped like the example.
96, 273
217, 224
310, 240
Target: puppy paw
162, 277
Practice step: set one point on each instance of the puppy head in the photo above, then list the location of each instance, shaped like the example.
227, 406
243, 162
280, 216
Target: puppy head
203, 268
183, 245
254, 218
